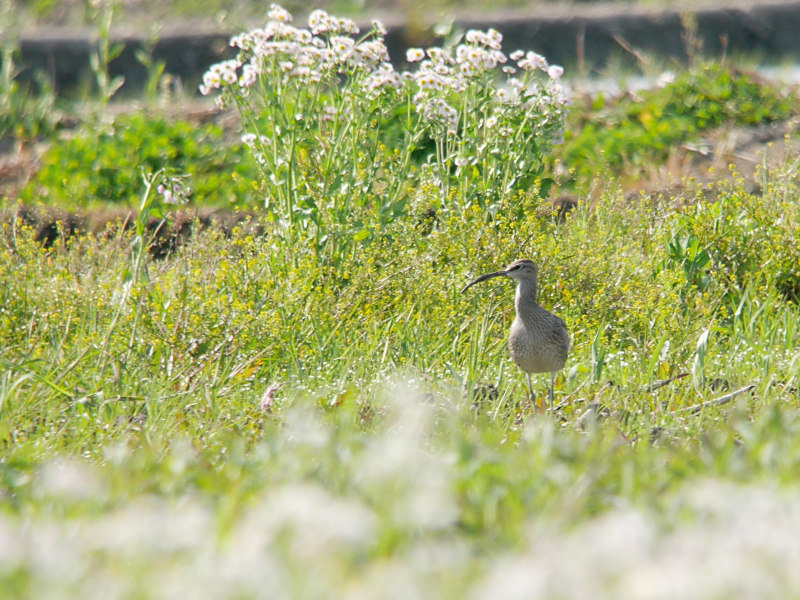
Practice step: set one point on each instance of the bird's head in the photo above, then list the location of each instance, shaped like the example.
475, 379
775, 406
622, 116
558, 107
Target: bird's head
522, 270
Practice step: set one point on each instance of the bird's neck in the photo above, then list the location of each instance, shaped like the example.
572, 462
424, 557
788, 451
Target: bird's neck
527, 296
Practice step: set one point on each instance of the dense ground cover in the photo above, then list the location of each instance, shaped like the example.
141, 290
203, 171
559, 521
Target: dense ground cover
309, 407
147, 445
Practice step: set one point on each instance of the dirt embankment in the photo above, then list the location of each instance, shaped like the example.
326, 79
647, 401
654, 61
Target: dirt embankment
52, 226
587, 35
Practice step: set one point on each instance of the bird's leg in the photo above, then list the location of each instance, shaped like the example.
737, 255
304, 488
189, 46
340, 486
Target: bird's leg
532, 396
552, 384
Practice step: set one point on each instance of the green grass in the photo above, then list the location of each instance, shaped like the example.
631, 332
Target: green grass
222, 173
246, 418
626, 135
134, 440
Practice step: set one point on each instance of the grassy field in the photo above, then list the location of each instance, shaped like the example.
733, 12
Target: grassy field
311, 409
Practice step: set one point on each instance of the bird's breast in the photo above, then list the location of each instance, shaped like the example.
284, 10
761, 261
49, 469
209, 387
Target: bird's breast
539, 345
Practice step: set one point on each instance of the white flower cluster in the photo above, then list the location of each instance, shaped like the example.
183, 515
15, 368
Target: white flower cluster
321, 22
330, 86
305, 56
384, 77
326, 50
442, 76
220, 74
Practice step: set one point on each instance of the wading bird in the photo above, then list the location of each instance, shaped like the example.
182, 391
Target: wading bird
538, 340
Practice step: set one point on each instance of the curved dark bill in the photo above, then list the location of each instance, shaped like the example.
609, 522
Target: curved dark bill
482, 278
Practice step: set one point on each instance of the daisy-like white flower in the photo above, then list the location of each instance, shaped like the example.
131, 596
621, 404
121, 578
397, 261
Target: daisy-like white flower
384, 79
495, 39
533, 61
414, 54
280, 14
249, 76
516, 84
499, 56
347, 26
555, 71
342, 46
373, 51
243, 41
302, 73
473, 36
440, 56
443, 70
427, 80
475, 55
379, 27
211, 81
449, 113
319, 21
219, 74
303, 36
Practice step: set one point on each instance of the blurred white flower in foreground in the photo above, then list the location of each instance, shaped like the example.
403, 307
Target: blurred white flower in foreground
733, 542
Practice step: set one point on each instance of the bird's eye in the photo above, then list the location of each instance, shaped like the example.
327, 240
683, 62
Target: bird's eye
515, 268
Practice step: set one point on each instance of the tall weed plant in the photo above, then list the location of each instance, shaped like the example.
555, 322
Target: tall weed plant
344, 139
